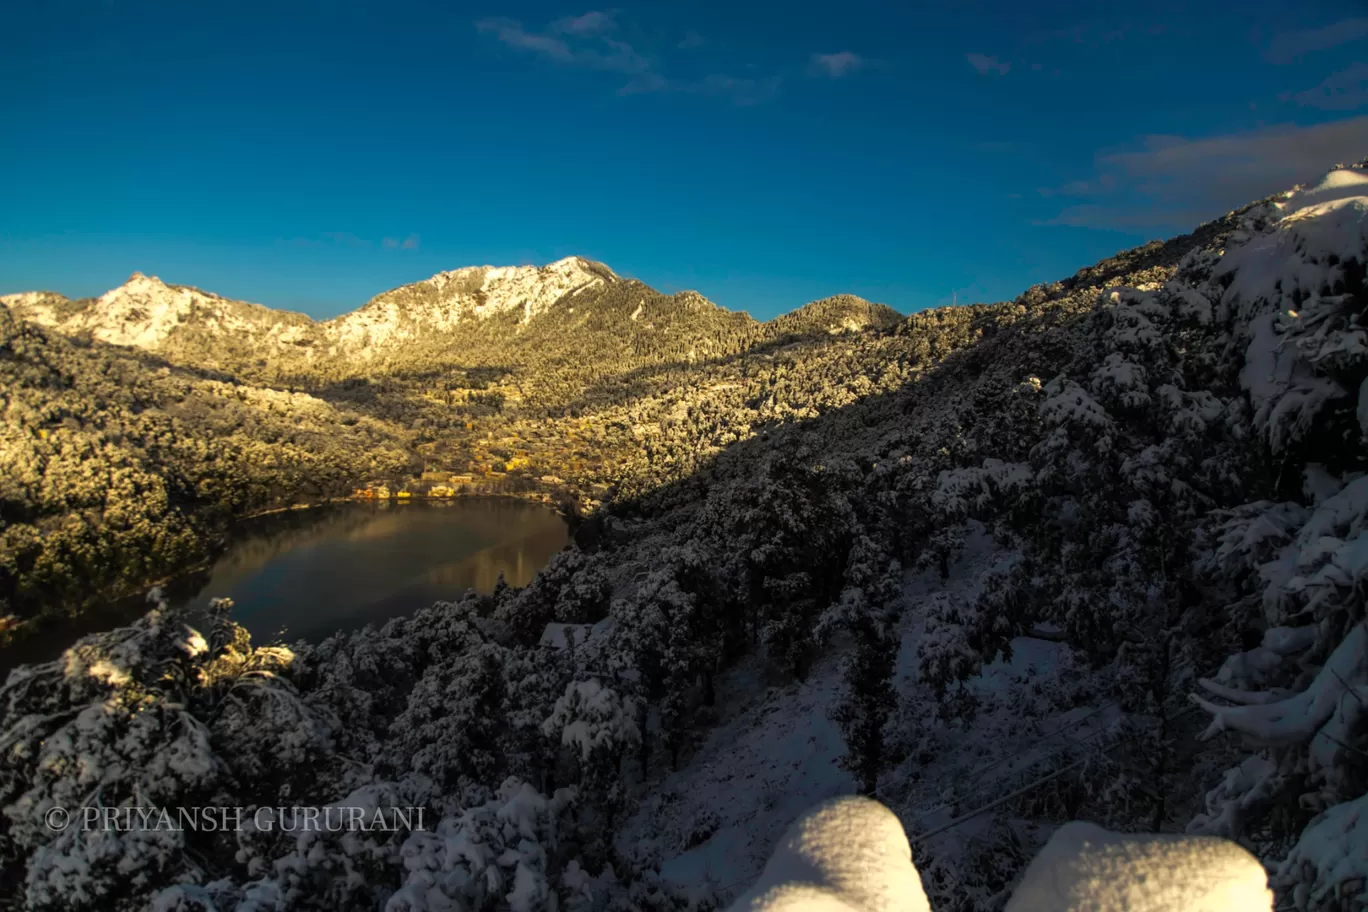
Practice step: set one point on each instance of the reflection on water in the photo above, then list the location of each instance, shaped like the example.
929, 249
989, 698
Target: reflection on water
518, 561
307, 574
367, 563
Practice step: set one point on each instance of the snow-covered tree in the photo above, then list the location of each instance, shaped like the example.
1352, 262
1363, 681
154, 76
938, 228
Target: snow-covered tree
148, 716
869, 698
502, 854
597, 730
454, 722
1296, 298
869, 609
568, 588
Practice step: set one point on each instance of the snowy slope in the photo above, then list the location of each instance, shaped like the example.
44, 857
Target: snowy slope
440, 303
145, 312
773, 756
714, 821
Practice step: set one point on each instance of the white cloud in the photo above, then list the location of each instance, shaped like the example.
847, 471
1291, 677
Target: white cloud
986, 64
587, 41
1172, 183
511, 33
602, 54
590, 23
838, 64
408, 243
1342, 91
1292, 46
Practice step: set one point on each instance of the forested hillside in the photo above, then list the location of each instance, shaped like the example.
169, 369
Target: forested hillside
1155, 468
117, 468
513, 375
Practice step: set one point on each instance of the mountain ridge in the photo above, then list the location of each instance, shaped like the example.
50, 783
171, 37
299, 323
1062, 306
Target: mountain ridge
146, 312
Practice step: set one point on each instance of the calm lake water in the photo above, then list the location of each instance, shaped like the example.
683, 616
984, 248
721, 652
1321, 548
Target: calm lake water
308, 573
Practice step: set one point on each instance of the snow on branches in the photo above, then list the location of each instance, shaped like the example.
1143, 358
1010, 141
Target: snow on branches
1299, 698
594, 722
1298, 291
496, 854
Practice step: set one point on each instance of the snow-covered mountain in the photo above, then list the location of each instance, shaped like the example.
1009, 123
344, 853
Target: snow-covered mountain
443, 302
147, 313
192, 325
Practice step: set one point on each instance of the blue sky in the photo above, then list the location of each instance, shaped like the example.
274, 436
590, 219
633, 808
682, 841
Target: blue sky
309, 154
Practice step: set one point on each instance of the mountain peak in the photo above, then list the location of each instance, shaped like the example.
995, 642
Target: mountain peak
139, 279
690, 298
470, 279
1335, 186
837, 314
440, 303
582, 263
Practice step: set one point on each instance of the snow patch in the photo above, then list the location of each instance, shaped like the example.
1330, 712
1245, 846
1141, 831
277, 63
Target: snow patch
1086, 867
442, 302
1342, 183
717, 820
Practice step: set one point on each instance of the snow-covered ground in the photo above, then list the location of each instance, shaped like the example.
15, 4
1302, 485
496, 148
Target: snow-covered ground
774, 752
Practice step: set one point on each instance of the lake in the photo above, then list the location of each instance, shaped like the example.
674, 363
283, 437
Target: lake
308, 573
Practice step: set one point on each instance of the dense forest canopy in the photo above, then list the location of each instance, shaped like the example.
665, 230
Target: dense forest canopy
1158, 463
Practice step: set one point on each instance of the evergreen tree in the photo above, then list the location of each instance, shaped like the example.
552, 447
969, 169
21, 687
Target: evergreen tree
868, 609
869, 698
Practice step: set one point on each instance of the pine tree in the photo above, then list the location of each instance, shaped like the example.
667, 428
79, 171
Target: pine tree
869, 698
868, 609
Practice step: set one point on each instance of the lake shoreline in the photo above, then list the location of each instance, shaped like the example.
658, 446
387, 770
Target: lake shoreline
114, 605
